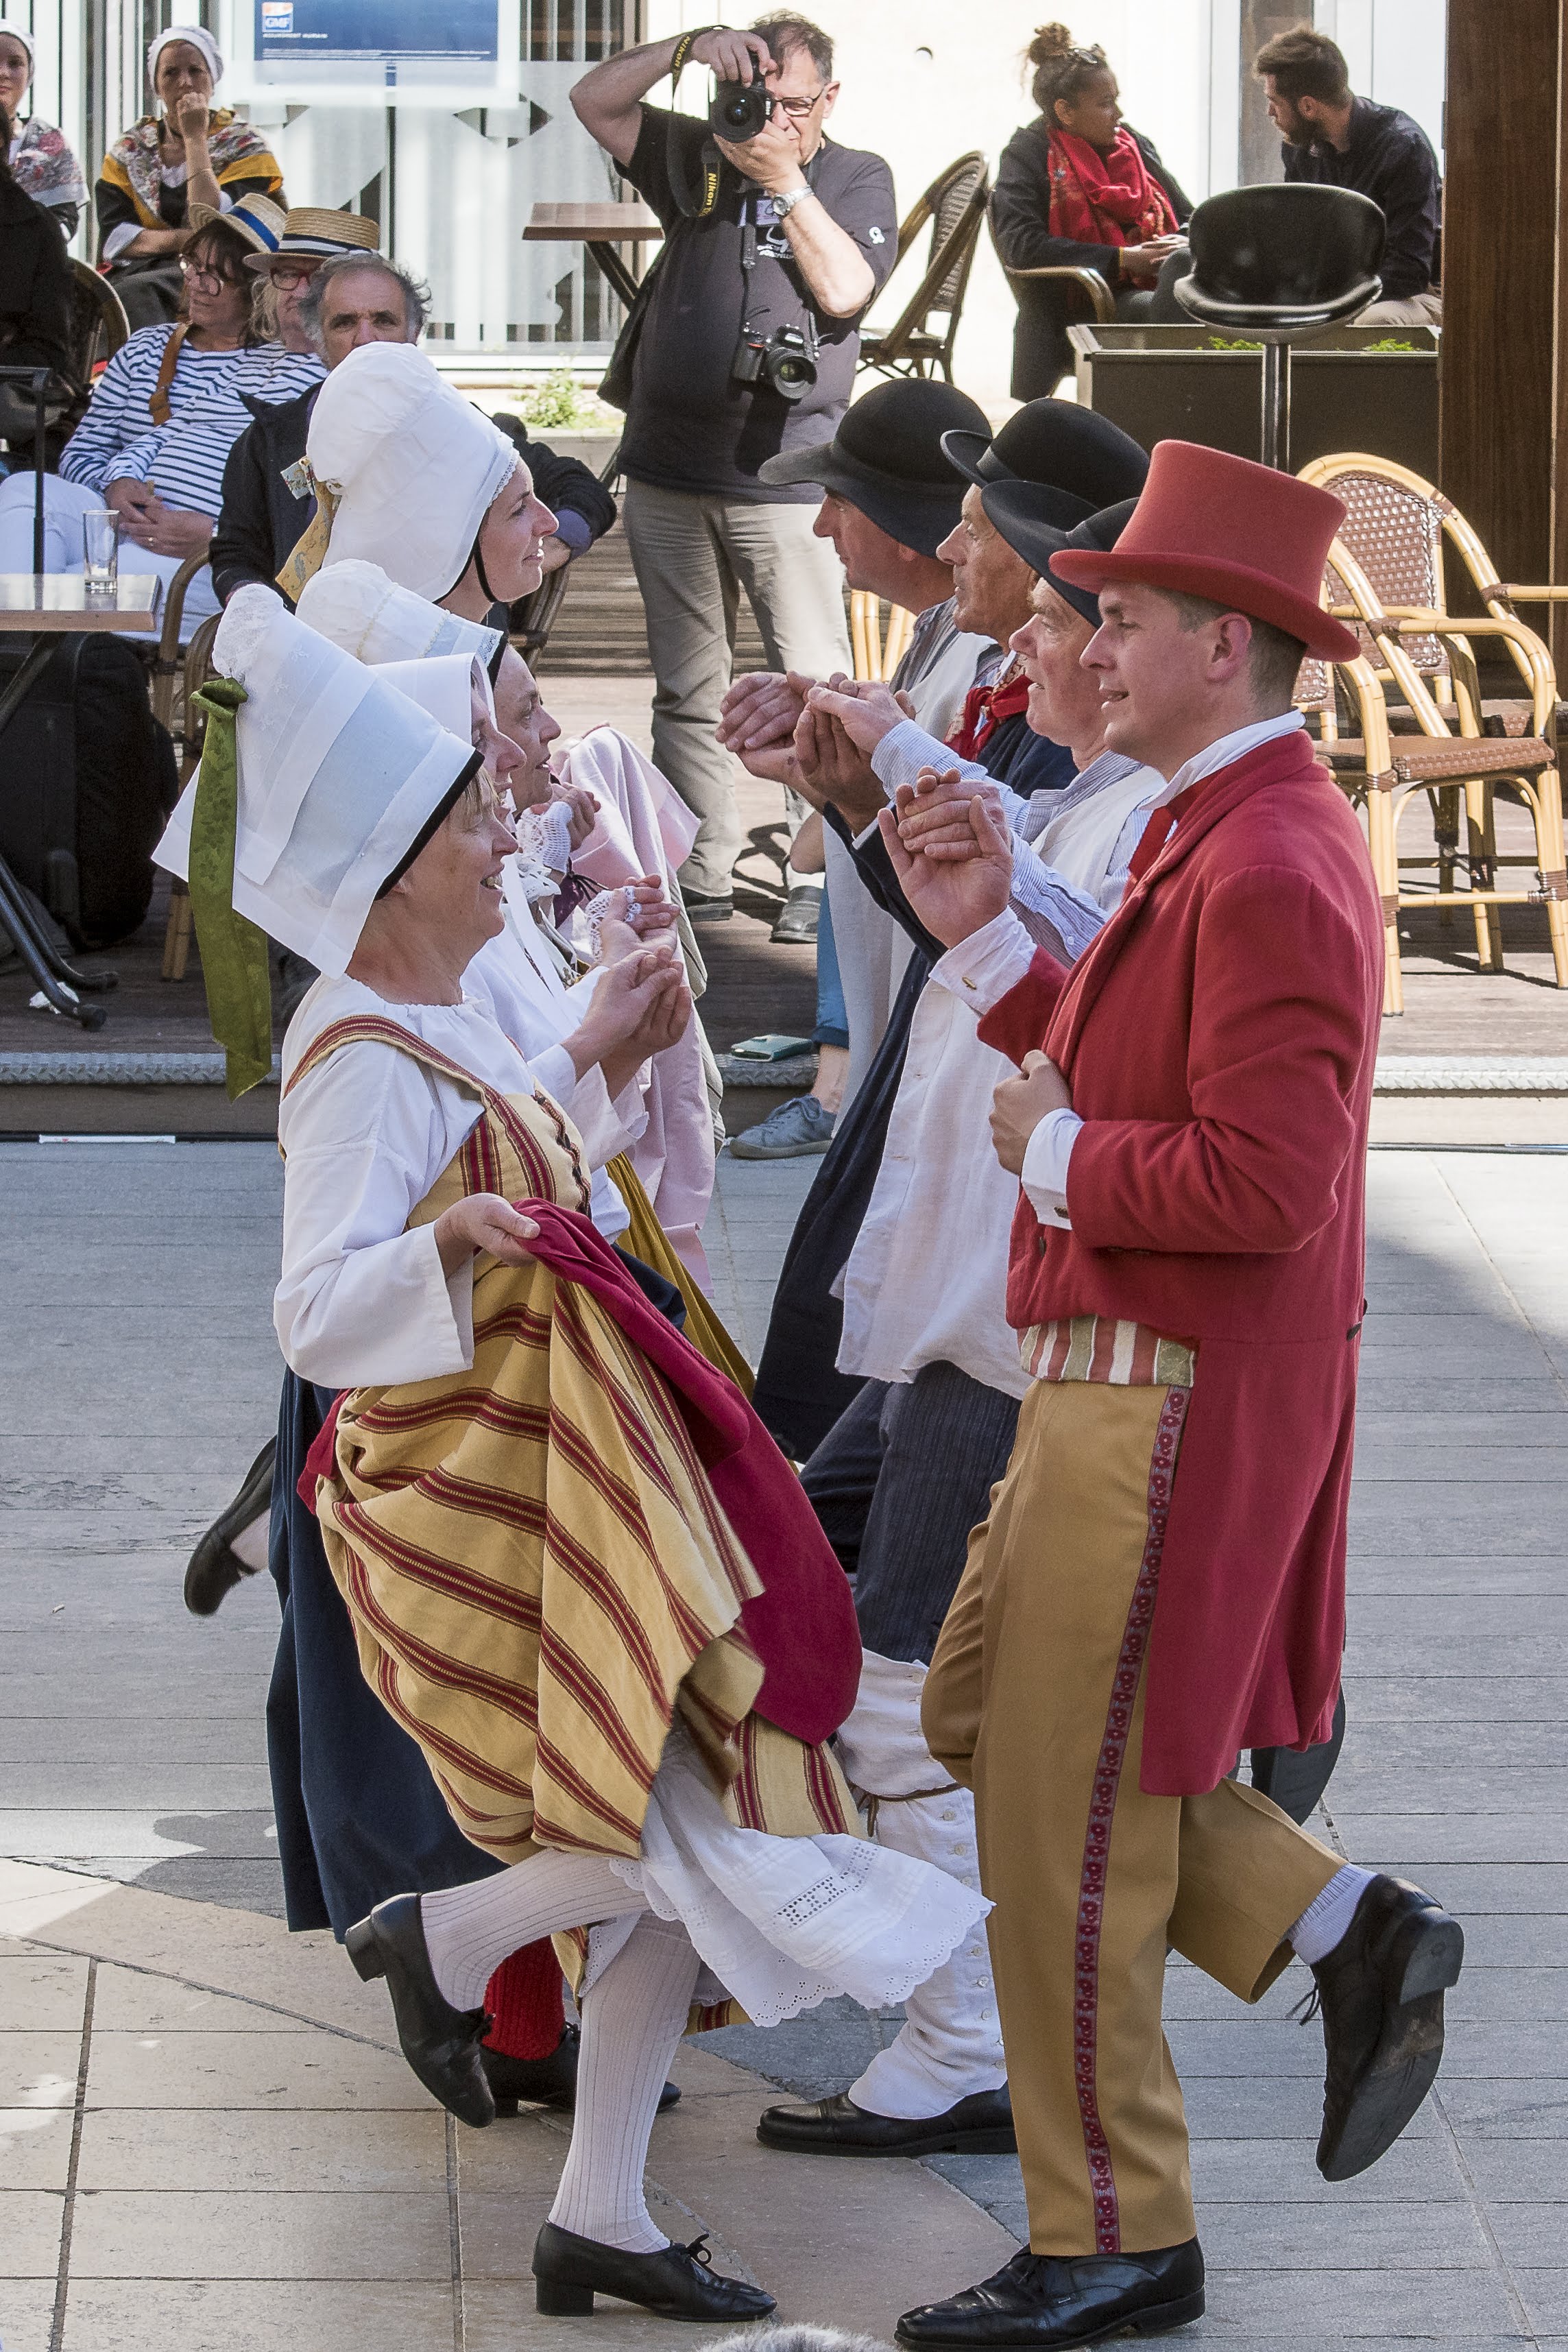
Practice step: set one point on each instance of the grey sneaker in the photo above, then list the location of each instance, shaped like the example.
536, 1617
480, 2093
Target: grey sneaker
791, 1131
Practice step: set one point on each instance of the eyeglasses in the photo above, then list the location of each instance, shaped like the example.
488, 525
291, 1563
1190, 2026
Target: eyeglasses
202, 273
286, 277
800, 107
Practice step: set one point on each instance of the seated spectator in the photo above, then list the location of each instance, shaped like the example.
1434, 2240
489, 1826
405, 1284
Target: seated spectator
1339, 141
183, 153
1077, 189
352, 297
34, 310
42, 163
163, 419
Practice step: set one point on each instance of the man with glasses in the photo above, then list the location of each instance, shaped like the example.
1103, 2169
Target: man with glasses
333, 291
783, 231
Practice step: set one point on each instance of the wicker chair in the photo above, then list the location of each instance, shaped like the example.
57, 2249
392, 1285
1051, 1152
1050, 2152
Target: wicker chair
1095, 290
99, 325
955, 204
877, 657
1448, 758
195, 672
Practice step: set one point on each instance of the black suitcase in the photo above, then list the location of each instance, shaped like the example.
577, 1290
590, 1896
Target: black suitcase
86, 780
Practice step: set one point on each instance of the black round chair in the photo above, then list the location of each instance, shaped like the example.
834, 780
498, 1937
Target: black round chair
1279, 263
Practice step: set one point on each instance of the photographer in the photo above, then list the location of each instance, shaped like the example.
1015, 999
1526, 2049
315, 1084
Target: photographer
746, 345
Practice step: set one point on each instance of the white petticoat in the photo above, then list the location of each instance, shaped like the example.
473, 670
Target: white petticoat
784, 1923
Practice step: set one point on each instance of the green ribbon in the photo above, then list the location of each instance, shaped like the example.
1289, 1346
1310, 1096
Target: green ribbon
234, 962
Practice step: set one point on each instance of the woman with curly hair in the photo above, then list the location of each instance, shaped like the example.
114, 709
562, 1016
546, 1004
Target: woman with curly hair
1077, 189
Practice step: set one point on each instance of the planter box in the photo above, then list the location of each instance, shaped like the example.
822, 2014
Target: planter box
594, 449
1170, 384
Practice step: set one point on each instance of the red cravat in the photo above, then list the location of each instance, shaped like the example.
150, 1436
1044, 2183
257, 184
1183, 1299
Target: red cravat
1162, 824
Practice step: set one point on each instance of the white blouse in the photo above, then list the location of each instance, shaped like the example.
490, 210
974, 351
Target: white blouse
361, 1300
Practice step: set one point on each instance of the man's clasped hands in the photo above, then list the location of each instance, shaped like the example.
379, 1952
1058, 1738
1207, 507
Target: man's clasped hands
949, 840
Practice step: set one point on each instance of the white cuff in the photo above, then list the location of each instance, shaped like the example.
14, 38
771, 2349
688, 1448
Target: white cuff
981, 969
1045, 1165
906, 748
115, 242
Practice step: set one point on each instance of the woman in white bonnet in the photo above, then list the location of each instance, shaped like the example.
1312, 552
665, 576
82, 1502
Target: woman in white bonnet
42, 162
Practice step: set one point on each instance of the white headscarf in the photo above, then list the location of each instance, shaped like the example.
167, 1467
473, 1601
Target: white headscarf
412, 466
372, 618
338, 775
198, 37
20, 33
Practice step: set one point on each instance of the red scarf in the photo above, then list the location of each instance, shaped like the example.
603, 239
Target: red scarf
985, 707
1105, 199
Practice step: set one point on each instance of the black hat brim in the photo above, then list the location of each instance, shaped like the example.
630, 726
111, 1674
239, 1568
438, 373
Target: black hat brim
917, 514
971, 455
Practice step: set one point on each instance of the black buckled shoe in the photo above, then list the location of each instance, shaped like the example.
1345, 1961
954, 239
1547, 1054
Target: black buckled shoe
1381, 1991
441, 2043
1049, 2300
544, 2082
981, 2125
676, 2283
214, 1568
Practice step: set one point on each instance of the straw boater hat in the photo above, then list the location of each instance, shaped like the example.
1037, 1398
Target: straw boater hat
320, 236
372, 618
405, 470
319, 784
256, 220
1252, 540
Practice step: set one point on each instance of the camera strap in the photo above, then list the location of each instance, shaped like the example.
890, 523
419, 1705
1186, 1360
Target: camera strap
748, 259
695, 199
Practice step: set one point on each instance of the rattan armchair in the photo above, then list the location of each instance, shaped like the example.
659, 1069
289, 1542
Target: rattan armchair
1449, 759
877, 657
955, 204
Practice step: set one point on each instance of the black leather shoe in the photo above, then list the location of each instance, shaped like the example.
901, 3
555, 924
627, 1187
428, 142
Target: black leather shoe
215, 1570
676, 2282
703, 909
797, 918
981, 2125
1380, 1990
544, 2082
441, 2043
1045, 2300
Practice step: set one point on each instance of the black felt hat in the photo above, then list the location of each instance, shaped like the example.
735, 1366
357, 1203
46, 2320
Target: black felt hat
886, 459
1020, 512
1086, 460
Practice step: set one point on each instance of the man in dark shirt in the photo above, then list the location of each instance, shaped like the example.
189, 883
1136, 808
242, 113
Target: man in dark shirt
1343, 142
818, 226
361, 297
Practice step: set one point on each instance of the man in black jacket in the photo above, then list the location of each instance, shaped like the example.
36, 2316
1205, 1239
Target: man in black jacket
354, 299
1343, 142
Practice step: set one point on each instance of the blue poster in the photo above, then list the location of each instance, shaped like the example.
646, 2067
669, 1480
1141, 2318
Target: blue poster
318, 32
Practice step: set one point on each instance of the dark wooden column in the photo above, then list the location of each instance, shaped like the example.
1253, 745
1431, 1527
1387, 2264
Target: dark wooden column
1260, 21
1504, 366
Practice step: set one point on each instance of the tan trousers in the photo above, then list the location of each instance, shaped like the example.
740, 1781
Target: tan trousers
692, 555
1035, 1699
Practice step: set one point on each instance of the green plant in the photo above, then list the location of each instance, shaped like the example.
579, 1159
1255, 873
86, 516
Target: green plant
1389, 343
1230, 344
558, 403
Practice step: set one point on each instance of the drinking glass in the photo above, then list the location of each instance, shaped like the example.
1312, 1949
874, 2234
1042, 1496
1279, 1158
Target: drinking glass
100, 549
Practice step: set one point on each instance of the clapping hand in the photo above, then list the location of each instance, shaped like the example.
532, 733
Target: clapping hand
646, 911
582, 809
953, 896
757, 720
832, 767
935, 819
1020, 1104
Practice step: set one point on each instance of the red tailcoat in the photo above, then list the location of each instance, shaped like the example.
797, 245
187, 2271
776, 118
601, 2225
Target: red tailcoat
1220, 1038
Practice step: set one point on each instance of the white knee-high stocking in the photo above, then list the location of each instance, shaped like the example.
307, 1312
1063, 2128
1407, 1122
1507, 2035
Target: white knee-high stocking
470, 1930
632, 2020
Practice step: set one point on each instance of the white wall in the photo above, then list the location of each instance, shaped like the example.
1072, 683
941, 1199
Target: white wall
1395, 52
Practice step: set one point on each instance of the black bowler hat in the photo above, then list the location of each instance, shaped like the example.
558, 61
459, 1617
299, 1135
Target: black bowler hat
1021, 511
1087, 460
886, 459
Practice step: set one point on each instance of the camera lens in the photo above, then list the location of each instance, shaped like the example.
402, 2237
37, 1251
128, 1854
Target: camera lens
737, 113
793, 370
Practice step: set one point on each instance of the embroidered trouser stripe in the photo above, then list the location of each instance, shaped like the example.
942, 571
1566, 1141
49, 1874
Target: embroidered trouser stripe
1035, 1697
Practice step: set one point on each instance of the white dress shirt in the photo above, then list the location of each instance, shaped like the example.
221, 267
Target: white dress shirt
361, 1300
926, 1280
1050, 1148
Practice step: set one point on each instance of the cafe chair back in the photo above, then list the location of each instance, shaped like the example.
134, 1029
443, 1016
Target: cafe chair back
921, 339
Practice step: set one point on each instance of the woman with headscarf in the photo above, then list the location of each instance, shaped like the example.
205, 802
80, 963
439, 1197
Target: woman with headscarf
185, 153
410, 476
34, 299
580, 1575
42, 163
1077, 189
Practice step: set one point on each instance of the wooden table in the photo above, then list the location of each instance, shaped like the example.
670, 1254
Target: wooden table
47, 607
601, 228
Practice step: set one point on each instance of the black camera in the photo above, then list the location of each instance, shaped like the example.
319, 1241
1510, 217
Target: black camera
787, 360
740, 109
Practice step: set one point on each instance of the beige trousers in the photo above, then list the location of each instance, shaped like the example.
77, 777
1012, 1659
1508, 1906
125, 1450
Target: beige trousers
1410, 310
1035, 1699
692, 555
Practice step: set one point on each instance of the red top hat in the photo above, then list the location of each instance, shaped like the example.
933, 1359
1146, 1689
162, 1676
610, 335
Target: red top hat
1248, 538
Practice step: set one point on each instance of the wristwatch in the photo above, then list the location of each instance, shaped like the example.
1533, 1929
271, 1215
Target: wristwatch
784, 205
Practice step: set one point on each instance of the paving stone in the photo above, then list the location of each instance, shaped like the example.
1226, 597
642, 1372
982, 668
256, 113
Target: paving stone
39, 2069
30, 2232
148, 2314
274, 2071
184, 2150
38, 1994
134, 2234
27, 2314
1343, 2237
35, 2150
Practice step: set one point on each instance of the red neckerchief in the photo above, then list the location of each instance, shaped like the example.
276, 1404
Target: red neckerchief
1163, 821
985, 707
1109, 199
